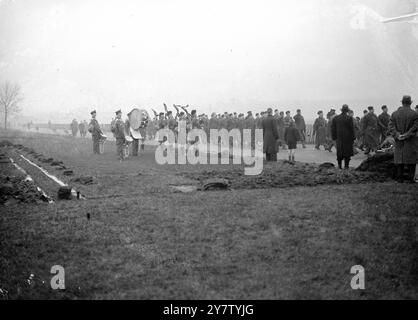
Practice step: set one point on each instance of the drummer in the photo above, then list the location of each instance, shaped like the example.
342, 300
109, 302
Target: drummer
136, 130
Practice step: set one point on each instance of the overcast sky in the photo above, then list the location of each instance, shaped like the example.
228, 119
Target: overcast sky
72, 56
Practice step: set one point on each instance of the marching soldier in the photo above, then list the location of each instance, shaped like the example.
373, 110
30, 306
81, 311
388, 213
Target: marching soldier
119, 133
96, 132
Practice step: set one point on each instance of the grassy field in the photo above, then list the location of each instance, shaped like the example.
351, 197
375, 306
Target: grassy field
144, 240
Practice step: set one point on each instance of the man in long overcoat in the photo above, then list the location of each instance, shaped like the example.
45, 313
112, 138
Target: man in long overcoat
371, 131
320, 131
301, 126
270, 136
403, 126
342, 130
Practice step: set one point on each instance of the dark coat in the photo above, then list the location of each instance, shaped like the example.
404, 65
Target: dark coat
342, 130
371, 131
94, 129
320, 131
270, 135
292, 136
405, 121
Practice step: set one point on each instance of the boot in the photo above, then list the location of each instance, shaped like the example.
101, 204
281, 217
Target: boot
347, 163
399, 173
411, 173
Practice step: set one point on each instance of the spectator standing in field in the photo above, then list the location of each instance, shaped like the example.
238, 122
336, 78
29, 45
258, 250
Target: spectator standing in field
292, 136
270, 136
74, 127
82, 129
403, 126
320, 131
96, 132
371, 131
342, 130
357, 129
301, 126
384, 119
281, 126
330, 116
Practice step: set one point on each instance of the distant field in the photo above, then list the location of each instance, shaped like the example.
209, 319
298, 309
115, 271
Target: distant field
293, 234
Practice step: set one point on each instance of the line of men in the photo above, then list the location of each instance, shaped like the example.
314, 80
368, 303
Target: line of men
77, 127
228, 121
368, 132
402, 127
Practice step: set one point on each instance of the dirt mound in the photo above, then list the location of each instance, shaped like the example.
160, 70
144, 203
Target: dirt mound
18, 190
383, 163
282, 175
84, 180
5, 143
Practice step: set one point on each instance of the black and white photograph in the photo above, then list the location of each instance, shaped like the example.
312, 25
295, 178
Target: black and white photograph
208, 154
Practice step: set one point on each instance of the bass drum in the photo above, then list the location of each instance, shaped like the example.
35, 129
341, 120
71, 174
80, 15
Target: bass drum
138, 118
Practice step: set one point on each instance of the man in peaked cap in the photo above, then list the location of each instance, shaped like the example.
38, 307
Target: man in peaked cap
403, 126
96, 132
119, 133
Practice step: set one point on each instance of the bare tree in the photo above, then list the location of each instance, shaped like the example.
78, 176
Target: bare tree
10, 98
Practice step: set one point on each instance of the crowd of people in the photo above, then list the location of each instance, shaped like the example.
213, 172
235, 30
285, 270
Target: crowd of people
348, 133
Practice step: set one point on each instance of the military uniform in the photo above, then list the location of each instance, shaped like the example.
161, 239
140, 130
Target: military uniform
371, 132
96, 133
320, 132
119, 133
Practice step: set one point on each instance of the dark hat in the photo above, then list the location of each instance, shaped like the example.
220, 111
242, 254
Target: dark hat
94, 111
287, 112
370, 108
193, 112
161, 113
181, 113
319, 112
407, 100
169, 112
257, 114
384, 107
249, 112
298, 110
119, 111
333, 110
345, 108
